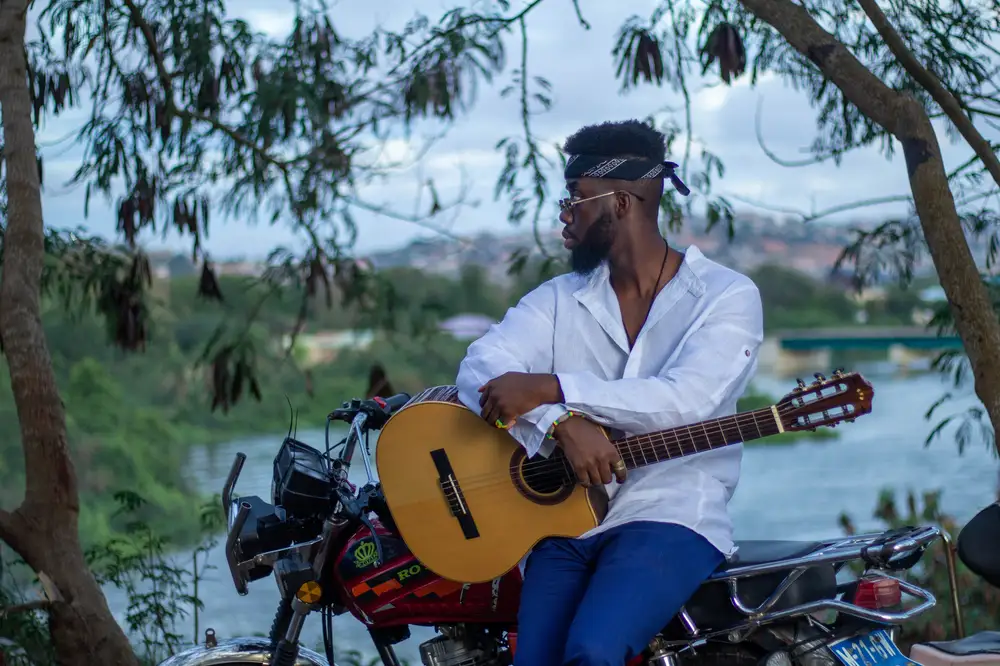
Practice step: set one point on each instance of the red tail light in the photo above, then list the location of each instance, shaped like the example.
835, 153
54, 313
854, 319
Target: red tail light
876, 592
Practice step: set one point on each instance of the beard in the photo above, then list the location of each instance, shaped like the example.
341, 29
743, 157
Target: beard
595, 246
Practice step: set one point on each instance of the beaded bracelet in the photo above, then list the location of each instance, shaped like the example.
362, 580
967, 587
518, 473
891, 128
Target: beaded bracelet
559, 420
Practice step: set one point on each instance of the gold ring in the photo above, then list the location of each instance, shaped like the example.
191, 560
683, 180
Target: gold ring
619, 465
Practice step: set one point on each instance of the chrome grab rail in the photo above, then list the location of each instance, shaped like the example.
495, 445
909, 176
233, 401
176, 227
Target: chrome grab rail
834, 551
754, 621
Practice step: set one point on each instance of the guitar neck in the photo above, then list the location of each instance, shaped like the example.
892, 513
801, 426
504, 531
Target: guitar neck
640, 450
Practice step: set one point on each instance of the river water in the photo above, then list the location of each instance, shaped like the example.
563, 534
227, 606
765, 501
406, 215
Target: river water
785, 492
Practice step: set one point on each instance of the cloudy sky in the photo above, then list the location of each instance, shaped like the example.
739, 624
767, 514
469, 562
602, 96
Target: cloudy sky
578, 62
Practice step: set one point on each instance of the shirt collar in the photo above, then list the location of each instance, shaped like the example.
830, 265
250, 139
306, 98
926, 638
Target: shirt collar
599, 298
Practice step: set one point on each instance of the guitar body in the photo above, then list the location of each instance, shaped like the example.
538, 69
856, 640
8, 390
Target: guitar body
470, 504
467, 501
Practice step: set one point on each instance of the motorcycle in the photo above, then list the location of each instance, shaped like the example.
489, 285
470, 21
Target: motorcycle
333, 549
978, 547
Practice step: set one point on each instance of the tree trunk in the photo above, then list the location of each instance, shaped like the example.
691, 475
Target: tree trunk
904, 117
44, 529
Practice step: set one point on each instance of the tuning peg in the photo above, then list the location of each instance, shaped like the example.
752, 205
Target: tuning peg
801, 383
839, 372
819, 377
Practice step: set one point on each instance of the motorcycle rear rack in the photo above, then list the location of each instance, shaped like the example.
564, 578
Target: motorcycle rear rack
835, 553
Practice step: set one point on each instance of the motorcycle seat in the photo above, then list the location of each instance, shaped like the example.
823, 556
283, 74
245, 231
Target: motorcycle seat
979, 649
979, 544
711, 608
754, 552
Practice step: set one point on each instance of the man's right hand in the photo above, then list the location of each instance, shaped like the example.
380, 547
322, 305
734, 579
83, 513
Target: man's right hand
589, 451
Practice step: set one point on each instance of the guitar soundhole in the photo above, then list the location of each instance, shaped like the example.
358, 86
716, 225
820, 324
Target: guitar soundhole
542, 480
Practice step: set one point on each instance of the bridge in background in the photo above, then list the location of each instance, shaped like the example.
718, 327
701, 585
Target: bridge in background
864, 337
811, 350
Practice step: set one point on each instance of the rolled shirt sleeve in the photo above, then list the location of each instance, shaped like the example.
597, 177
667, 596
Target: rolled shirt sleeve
521, 342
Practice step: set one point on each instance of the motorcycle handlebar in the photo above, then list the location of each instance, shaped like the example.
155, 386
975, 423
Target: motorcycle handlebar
377, 410
395, 403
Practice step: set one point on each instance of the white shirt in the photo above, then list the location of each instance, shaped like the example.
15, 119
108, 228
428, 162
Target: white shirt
692, 359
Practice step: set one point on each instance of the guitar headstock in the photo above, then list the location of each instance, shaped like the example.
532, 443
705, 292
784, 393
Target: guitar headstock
826, 402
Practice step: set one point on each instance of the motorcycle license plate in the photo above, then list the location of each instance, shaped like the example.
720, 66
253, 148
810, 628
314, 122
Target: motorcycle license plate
874, 649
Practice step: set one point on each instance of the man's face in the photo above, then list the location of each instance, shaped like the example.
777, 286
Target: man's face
590, 226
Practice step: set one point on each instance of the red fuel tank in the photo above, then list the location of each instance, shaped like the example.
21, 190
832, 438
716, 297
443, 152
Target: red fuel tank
402, 591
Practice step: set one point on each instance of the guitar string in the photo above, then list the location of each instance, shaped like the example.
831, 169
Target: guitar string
533, 470
635, 445
549, 467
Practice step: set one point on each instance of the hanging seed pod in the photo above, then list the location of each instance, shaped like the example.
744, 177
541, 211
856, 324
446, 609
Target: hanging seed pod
725, 44
208, 94
647, 60
126, 220
208, 284
140, 274
220, 380
162, 121
239, 376
309, 383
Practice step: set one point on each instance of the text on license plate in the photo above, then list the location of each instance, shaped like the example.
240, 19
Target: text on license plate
875, 649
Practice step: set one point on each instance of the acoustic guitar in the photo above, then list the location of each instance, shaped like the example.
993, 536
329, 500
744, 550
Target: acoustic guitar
470, 503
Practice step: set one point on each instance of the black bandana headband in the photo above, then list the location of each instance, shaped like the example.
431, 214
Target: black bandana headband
620, 168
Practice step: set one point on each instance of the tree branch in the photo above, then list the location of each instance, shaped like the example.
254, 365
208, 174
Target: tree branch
50, 479
386, 211
931, 84
907, 120
40, 604
168, 91
502, 23
826, 212
815, 159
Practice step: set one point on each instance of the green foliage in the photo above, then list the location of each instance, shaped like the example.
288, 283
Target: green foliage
792, 299
971, 425
160, 591
979, 601
24, 635
191, 111
163, 593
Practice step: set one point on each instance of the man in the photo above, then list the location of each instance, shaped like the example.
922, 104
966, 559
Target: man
639, 337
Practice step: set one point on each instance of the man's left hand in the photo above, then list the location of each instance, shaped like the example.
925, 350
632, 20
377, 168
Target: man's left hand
514, 393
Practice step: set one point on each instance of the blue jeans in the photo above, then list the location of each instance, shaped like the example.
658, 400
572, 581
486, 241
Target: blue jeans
601, 600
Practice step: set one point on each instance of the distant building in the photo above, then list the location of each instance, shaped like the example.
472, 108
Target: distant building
324, 346
467, 326
180, 266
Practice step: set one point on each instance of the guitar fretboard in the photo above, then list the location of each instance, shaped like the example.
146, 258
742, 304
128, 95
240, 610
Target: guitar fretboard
640, 450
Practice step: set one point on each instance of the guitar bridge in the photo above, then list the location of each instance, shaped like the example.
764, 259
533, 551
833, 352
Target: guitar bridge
453, 494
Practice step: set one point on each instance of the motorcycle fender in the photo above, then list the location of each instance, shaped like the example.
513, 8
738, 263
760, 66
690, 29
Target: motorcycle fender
239, 652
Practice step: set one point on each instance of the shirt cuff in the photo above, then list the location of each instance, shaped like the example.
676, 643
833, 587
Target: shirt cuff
570, 387
540, 444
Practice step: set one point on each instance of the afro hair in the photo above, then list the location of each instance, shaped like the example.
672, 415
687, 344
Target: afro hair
628, 138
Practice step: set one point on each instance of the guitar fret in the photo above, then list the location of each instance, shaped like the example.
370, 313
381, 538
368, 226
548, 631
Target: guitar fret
757, 425
739, 430
642, 450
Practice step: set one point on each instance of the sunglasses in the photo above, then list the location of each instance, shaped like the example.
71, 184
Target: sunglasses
566, 205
